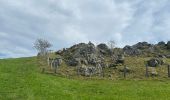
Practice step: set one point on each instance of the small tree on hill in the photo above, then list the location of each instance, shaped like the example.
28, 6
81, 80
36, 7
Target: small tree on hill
111, 44
42, 46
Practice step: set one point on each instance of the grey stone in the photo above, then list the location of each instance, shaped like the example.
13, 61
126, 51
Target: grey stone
154, 62
130, 50
142, 45
87, 71
104, 49
103, 46
162, 44
73, 62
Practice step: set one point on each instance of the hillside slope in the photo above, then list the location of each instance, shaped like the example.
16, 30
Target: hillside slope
20, 79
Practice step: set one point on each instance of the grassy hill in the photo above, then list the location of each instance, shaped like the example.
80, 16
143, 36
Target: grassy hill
21, 79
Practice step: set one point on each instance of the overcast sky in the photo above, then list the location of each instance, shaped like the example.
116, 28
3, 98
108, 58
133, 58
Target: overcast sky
66, 22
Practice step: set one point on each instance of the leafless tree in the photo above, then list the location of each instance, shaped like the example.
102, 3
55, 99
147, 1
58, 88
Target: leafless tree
43, 57
42, 45
111, 44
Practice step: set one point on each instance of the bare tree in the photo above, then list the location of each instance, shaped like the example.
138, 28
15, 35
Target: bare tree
111, 44
43, 57
42, 45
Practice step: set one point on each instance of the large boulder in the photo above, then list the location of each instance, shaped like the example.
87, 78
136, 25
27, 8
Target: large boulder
142, 45
87, 71
130, 50
161, 44
103, 46
154, 62
73, 62
84, 49
79, 51
103, 49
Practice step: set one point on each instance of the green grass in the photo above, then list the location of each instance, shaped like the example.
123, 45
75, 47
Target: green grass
21, 79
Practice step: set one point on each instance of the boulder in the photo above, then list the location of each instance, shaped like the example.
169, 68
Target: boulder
103, 49
154, 62
103, 46
86, 49
142, 45
73, 62
161, 44
130, 50
87, 71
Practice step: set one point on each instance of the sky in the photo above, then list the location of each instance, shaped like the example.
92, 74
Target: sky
67, 22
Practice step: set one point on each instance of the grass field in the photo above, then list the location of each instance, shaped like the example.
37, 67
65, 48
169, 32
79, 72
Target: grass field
21, 79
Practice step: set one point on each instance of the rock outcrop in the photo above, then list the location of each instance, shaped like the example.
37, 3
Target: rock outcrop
130, 50
87, 71
143, 48
87, 54
104, 49
161, 44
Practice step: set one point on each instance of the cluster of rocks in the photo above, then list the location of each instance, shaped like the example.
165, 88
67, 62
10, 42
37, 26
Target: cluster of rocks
88, 54
138, 48
86, 71
144, 47
90, 70
88, 57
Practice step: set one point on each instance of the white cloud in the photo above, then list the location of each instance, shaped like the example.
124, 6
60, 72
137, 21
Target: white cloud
65, 22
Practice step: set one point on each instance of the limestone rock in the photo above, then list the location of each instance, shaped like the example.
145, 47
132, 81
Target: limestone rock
154, 62
161, 44
129, 50
87, 71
